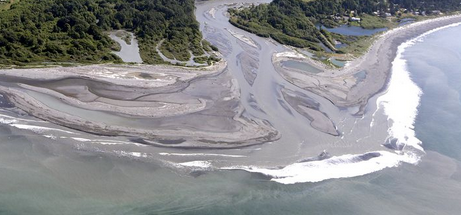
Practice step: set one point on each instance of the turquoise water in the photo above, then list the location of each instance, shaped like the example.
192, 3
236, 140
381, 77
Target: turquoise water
40, 176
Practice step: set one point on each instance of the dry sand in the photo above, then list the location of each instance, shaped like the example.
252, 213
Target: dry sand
343, 87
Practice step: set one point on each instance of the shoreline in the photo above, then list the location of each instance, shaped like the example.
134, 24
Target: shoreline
153, 95
177, 99
343, 86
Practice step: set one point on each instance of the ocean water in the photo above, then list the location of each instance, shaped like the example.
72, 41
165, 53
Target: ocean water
40, 176
435, 65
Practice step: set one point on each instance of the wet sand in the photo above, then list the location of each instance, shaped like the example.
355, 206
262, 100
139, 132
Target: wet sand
342, 86
232, 107
166, 104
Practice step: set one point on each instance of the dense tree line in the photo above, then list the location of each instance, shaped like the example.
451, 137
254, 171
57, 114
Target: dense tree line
73, 30
292, 22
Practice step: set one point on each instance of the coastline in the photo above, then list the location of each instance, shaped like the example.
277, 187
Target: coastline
157, 93
343, 87
152, 95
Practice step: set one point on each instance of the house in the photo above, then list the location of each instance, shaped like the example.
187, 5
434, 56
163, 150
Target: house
436, 12
355, 19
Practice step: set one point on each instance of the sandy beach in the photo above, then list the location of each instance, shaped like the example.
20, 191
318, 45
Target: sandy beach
363, 77
167, 105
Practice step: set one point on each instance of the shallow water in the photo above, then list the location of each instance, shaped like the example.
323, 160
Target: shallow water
292, 64
46, 172
338, 63
129, 53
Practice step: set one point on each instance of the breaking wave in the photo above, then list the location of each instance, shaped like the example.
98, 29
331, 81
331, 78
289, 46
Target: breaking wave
344, 166
400, 104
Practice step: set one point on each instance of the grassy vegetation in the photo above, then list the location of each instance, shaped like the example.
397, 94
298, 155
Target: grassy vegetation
202, 59
358, 46
291, 22
34, 31
124, 36
7, 4
372, 22
268, 20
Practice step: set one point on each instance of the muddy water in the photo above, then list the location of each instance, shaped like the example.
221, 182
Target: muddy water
261, 98
48, 169
299, 140
129, 53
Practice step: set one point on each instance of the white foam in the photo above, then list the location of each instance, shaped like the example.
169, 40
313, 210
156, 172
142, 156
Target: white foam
400, 103
200, 154
38, 129
290, 54
106, 142
116, 142
50, 136
401, 100
196, 164
343, 166
7, 121
81, 139
132, 154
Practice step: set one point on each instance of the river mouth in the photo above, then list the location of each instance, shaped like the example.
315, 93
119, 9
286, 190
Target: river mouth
248, 114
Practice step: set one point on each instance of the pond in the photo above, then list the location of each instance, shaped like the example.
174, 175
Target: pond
340, 45
338, 63
300, 66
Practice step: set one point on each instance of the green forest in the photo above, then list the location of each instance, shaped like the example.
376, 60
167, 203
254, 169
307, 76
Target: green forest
292, 22
34, 31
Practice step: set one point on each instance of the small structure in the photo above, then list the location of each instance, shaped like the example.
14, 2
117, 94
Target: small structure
355, 19
436, 12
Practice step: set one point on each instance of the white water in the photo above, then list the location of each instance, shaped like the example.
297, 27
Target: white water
400, 103
344, 166
341, 166
401, 100
200, 154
